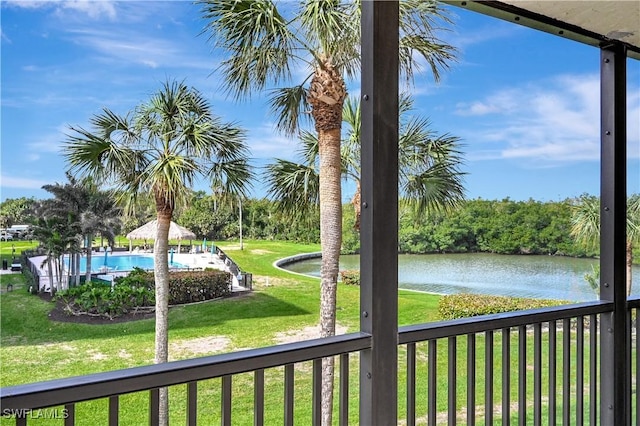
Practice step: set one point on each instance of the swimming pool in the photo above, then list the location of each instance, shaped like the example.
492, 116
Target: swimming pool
121, 263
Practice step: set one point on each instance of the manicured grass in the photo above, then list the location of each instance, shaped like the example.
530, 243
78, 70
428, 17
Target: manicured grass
33, 348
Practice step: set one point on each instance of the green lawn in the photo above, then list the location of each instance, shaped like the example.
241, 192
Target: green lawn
33, 348
283, 305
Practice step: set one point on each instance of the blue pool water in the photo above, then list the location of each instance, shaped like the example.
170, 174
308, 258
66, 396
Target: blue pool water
121, 263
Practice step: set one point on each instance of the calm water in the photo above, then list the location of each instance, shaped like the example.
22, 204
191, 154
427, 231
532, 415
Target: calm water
546, 277
120, 263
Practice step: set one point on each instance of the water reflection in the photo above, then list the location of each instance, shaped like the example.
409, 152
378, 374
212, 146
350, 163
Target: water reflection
546, 277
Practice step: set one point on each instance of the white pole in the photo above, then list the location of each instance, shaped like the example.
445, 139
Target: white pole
240, 207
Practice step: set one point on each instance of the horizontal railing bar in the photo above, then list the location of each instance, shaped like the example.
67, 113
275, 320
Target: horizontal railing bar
633, 303
480, 324
102, 385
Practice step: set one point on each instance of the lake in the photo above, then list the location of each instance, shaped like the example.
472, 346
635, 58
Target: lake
542, 277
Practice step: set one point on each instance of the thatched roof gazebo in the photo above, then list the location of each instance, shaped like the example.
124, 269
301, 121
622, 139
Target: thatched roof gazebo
148, 231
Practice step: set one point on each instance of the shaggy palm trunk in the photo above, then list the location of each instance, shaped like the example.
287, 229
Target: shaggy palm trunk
326, 96
161, 273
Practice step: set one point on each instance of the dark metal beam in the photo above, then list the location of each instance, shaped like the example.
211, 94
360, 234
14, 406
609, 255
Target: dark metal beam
524, 17
615, 363
379, 220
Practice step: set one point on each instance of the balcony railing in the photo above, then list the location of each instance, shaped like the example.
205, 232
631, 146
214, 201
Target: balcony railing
528, 367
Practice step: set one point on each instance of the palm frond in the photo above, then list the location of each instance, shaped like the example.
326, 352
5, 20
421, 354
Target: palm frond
294, 186
585, 221
289, 105
419, 21
258, 37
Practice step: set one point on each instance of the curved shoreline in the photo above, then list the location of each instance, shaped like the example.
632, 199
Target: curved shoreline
278, 264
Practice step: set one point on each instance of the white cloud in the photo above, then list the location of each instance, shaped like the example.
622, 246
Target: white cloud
266, 142
548, 122
22, 183
94, 9
129, 47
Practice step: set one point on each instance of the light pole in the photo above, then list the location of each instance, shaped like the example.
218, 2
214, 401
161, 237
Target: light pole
240, 209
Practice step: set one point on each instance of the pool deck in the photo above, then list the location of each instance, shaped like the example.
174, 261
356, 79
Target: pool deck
189, 261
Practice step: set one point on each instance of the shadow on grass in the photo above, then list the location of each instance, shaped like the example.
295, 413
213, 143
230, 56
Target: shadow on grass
25, 319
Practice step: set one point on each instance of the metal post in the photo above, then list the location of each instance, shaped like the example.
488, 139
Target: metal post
240, 209
615, 370
379, 220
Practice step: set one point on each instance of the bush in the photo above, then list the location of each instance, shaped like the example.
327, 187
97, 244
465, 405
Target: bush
136, 292
98, 299
196, 286
350, 277
469, 305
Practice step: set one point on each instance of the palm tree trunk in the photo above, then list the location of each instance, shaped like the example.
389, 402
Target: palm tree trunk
77, 277
326, 96
331, 241
51, 278
161, 272
87, 276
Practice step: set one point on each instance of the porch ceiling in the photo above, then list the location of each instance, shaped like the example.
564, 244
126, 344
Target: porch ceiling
591, 22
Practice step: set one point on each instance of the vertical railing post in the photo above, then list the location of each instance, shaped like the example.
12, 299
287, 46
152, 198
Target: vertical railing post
615, 364
379, 220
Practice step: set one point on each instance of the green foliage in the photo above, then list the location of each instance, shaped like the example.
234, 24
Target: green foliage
469, 305
350, 277
99, 299
14, 211
350, 235
491, 226
136, 291
594, 278
188, 287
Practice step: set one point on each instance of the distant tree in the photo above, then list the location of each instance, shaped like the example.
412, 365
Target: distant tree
586, 226
89, 211
161, 148
15, 211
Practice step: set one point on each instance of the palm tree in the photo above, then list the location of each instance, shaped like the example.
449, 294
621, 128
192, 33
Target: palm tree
89, 211
429, 179
266, 42
161, 148
56, 236
586, 226
102, 216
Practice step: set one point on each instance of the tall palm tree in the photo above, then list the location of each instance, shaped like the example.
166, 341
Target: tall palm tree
268, 44
101, 216
585, 227
161, 148
89, 211
430, 176
57, 236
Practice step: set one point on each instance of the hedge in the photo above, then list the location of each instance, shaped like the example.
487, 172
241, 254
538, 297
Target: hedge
469, 305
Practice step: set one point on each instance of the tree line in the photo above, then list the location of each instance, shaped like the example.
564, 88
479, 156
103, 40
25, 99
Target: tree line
478, 225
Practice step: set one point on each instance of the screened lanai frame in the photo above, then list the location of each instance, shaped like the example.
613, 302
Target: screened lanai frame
379, 336
614, 27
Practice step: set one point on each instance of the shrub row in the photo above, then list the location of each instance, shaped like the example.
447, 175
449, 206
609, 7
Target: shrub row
187, 286
350, 277
137, 291
98, 299
469, 305
192, 286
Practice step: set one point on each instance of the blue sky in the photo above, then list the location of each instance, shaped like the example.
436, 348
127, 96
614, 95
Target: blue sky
524, 103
